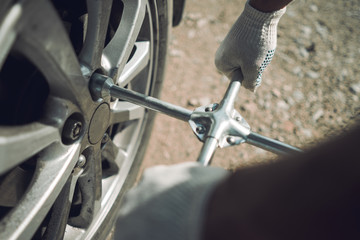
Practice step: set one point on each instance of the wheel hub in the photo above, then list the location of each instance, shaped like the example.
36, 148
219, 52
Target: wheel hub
99, 123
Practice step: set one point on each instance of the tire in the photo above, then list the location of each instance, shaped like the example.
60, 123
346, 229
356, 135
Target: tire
66, 158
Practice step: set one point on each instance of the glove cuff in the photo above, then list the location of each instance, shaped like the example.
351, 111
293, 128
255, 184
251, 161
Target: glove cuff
256, 26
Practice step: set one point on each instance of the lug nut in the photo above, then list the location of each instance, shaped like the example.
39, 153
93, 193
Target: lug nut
238, 118
200, 129
81, 161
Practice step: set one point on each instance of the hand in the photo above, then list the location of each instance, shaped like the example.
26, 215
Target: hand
249, 46
168, 203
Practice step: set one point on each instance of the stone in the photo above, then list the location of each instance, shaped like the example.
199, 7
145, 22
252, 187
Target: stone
355, 88
276, 93
314, 8
318, 114
322, 30
304, 53
290, 101
191, 34
176, 53
281, 104
306, 132
298, 71
193, 102
306, 31
298, 95
312, 74
201, 23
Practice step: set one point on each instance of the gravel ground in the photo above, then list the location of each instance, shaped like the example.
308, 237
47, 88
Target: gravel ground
310, 91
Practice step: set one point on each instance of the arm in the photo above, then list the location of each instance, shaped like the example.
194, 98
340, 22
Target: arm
312, 196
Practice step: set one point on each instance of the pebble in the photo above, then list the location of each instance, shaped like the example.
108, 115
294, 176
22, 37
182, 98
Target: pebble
191, 34
304, 53
298, 72
343, 75
339, 96
355, 88
201, 23
314, 8
306, 132
176, 53
282, 105
290, 101
298, 95
276, 93
264, 104
322, 30
306, 31
318, 114
312, 74
193, 102
298, 123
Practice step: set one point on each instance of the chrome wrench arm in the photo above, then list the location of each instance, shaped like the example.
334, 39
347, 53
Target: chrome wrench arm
102, 86
271, 145
217, 125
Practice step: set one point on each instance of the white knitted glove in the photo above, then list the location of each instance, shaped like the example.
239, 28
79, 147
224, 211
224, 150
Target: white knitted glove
168, 203
249, 46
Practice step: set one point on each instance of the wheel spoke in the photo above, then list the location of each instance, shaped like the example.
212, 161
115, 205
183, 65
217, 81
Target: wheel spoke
109, 153
21, 142
43, 39
61, 208
7, 30
98, 19
114, 59
53, 168
125, 111
89, 184
137, 63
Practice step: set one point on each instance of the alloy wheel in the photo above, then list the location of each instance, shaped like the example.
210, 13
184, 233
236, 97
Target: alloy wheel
64, 154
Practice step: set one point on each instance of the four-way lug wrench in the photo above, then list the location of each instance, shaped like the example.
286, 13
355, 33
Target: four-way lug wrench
217, 125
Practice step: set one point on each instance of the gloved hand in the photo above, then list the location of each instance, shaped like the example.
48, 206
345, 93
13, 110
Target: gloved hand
249, 46
168, 203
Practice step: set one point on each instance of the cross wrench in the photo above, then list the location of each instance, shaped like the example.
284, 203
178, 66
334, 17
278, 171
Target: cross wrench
217, 125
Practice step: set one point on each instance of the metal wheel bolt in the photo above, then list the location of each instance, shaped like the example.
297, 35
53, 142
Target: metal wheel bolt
231, 140
200, 129
208, 109
238, 118
81, 161
72, 129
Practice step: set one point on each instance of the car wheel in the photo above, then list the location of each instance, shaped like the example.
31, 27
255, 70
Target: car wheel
66, 158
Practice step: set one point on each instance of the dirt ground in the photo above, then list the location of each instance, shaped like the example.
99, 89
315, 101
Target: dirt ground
310, 91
